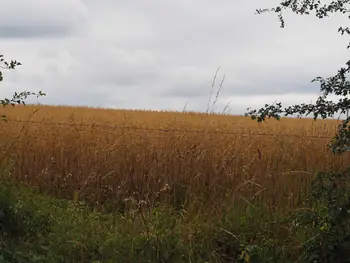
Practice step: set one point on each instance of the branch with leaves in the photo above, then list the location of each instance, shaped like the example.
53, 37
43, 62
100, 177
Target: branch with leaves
17, 98
337, 85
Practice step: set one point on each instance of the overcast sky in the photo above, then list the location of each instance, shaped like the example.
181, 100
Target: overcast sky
159, 54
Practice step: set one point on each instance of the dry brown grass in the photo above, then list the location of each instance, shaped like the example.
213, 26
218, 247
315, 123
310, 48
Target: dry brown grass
228, 160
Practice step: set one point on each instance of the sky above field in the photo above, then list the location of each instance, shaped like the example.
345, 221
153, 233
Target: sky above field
162, 55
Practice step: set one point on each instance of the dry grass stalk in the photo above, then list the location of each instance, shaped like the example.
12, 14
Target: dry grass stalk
225, 160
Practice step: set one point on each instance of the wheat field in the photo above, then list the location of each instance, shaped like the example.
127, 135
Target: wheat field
192, 160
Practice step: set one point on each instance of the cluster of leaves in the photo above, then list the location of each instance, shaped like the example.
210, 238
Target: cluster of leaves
338, 84
325, 225
17, 98
7, 65
19, 223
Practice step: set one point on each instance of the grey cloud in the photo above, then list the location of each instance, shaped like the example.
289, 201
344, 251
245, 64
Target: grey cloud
29, 31
278, 83
117, 68
187, 91
244, 83
42, 18
160, 55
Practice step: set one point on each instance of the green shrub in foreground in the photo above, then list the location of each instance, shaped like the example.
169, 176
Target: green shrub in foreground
325, 224
52, 230
38, 228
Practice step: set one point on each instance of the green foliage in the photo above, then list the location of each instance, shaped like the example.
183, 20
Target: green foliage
7, 65
337, 85
44, 229
53, 230
325, 223
17, 98
20, 225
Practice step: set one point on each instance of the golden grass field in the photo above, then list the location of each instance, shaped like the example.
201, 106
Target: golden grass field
189, 159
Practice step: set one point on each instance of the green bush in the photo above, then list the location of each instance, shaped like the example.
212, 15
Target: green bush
325, 223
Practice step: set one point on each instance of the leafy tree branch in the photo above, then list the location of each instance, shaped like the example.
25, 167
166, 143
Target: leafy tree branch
17, 98
338, 84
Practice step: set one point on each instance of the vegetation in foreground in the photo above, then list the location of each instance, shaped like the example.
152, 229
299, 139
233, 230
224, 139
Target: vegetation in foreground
39, 228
